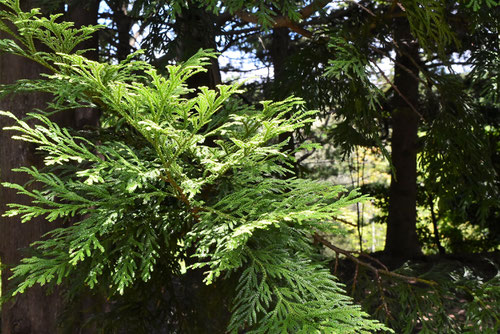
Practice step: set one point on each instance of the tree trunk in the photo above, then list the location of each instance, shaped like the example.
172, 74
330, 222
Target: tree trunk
195, 29
123, 25
200, 308
401, 240
34, 311
278, 52
84, 13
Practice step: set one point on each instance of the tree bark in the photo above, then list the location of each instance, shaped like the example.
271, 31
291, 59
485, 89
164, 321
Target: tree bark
279, 52
401, 239
195, 29
84, 13
34, 311
123, 25
200, 308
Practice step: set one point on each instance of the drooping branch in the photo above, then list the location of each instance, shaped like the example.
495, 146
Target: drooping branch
312, 8
396, 89
376, 271
286, 22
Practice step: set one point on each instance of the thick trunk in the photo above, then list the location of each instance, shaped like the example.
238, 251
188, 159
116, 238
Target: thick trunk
402, 241
33, 311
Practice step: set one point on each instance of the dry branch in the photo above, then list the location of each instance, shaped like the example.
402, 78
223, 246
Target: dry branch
376, 271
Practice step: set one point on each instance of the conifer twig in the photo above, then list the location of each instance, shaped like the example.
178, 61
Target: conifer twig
344, 221
396, 89
382, 296
355, 279
349, 254
283, 21
336, 263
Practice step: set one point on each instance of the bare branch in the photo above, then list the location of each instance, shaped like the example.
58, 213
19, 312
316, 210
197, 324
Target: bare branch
285, 22
396, 89
363, 8
350, 256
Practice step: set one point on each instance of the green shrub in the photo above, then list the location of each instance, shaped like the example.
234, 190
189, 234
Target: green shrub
169, 181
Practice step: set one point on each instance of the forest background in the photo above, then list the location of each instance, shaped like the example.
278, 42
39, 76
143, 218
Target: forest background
408, 98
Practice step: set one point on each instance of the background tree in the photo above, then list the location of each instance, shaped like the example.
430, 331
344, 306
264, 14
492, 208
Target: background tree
406, 115
365, 33
30, 314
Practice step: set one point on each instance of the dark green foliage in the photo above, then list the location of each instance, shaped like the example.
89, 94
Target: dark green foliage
465, 299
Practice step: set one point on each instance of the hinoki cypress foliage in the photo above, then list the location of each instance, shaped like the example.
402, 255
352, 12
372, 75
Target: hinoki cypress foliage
168, 177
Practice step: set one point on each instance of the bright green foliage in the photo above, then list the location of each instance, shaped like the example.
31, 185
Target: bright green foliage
58, 37
169, 177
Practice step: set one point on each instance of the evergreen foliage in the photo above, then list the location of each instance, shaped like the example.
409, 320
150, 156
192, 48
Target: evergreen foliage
464, 300
170, 180
456, 145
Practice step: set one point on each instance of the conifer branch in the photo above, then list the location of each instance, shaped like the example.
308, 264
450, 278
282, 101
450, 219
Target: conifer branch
376, 271
286, 22
135, 196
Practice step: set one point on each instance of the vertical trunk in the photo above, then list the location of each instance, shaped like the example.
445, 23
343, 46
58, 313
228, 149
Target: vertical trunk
402, 241
123, 25
434, 219
195, 30
200, 308
84, 13
34, 311
280, 45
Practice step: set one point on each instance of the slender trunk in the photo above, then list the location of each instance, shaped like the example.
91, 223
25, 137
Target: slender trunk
123, 25
279, 50
200, 308
195, 29
34, 311
280, 44
401, 240
435, 226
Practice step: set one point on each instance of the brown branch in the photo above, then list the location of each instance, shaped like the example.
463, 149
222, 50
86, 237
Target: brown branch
355, 279
397, 63
373, 259
344, 221
363, 8
285, 22
396, 89
299, 30
180, 195
308, 10
349, 255
382, 296
336, 263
